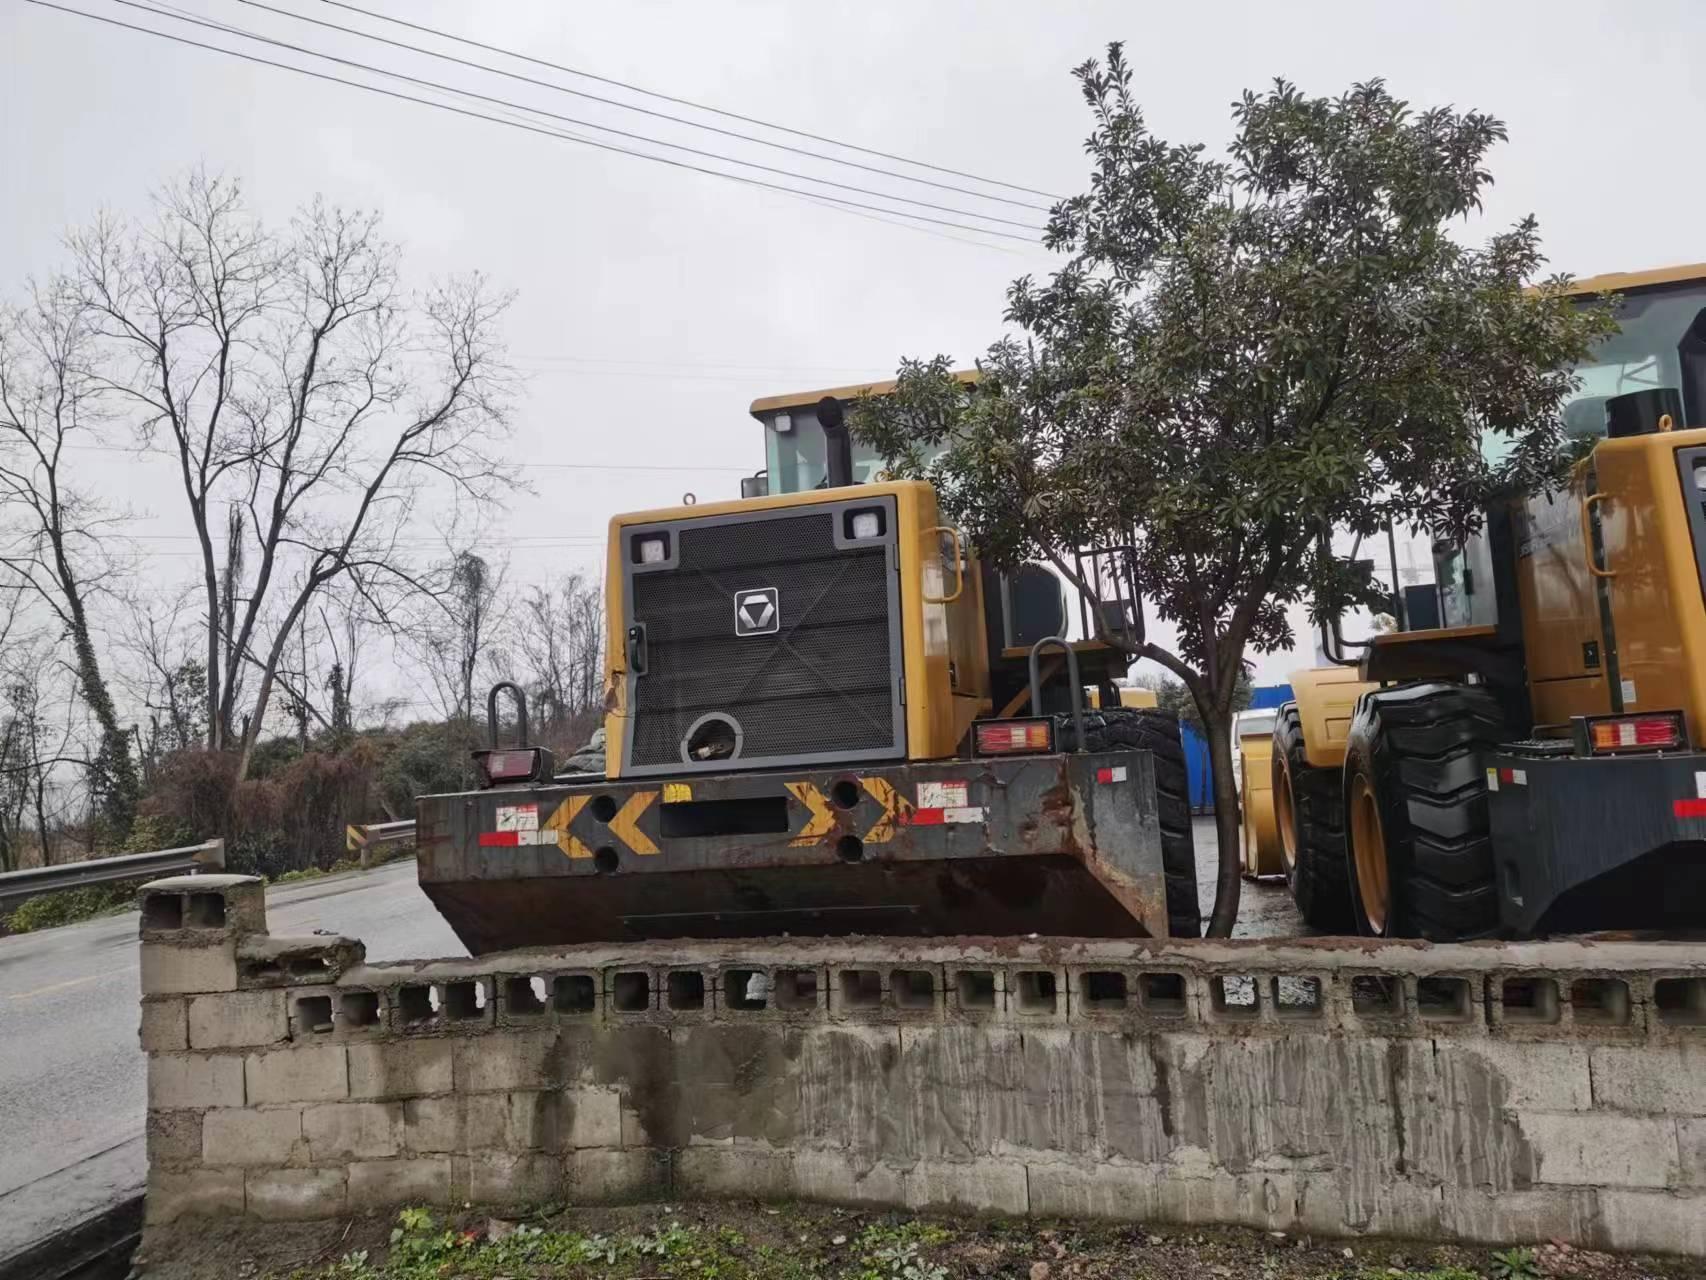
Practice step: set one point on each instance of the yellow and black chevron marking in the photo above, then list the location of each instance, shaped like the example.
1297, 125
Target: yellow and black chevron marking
355, 839
624, 826
822, 820
896, 810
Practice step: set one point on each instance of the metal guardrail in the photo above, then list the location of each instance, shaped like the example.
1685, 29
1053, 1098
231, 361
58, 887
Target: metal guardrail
360, 839
15, 886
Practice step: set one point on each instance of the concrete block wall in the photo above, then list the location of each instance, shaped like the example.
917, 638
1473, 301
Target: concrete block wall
1485, 1092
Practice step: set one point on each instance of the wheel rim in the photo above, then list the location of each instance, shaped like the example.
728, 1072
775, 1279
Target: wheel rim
1368, 851
1285, 816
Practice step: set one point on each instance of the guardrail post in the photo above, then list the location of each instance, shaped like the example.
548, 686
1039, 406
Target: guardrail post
212, 854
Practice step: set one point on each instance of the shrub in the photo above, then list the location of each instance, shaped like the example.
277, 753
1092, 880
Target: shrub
50, 910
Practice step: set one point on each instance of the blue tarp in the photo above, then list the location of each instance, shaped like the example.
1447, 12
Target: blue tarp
1198, 772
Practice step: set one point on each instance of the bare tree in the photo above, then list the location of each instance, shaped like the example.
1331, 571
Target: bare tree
49, 398
453, 637
289, 373
561, 644
163, 676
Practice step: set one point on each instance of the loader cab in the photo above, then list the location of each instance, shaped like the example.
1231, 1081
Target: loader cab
799, 439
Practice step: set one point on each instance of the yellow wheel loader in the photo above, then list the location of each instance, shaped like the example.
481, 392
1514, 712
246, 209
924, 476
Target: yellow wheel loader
824, 716
1536, 762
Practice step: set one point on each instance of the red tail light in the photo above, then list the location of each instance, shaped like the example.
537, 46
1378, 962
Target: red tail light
517, 764
1660, 731
1013, 737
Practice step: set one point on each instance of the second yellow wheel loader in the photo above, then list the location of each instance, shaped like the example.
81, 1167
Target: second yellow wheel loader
1536, 762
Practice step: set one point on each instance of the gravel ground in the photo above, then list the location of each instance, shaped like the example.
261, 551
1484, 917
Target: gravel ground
794, 1242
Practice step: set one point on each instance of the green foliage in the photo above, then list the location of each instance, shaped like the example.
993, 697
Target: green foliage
425, 759
70, 906
1241, 355
154, 831
1171, 695
1515, 1264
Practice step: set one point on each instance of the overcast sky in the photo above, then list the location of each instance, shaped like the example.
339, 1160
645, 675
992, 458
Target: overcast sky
655, 304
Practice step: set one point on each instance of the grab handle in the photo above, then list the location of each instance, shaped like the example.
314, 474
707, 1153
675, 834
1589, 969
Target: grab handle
1588, 502
959, 567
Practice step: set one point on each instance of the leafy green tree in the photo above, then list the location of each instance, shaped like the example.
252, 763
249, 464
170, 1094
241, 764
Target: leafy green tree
1172, 696
1240, 356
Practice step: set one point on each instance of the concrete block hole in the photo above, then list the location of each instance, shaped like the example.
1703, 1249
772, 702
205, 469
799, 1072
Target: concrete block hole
1445, 999
685, 989
308, 968
313, 1015
975, 988
359, 1009
1035, 991
1377, 995
1680, 1002
1600, 1002
746, 990
163, 911
206, 911
1163, 994
524, 997
912, 988
465, 1001
418, 1004
631, 991
1103, 991
861, 989
1236, 996
1530, 1000
796, 989
1296, 997
574, 993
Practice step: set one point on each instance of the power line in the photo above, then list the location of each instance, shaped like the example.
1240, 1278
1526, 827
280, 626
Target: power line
578, 123
530, 464
628, 106
543, 132
697, 106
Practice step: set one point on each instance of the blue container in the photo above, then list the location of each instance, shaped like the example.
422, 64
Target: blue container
1198, 771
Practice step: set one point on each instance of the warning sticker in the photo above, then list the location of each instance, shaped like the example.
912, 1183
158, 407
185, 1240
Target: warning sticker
1628, 691
677, 792
1492, 779
942, 795
518, 817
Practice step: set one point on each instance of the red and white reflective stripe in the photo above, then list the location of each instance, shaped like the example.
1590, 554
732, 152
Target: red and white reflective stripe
1515, 777
1115, 774
1690, 808
511, 839
937, 817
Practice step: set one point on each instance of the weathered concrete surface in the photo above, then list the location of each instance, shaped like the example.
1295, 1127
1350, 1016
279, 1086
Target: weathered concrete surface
1483, 1093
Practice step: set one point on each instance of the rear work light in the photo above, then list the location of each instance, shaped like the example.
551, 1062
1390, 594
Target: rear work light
1029, 736
515, 764
1655, 731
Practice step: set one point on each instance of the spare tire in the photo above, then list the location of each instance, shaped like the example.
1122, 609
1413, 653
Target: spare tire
1157, 732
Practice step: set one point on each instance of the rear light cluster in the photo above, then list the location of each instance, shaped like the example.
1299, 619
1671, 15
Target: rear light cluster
516, 764
1013, 737
1656, 731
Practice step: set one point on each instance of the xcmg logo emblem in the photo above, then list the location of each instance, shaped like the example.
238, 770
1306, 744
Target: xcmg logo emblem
757, 612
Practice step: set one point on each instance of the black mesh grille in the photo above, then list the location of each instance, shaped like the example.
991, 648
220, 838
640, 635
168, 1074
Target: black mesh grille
821, 686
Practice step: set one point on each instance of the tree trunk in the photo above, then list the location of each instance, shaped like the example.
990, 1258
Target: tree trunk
1217, 722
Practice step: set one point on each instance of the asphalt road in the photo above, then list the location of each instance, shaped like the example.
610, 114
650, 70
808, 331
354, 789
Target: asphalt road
72, 1087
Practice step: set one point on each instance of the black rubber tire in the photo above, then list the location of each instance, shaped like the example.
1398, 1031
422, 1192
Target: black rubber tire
1157, 732
1423, 747
1319, 875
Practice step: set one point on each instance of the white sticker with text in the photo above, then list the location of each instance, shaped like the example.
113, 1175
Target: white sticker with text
518, 817
942, 795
